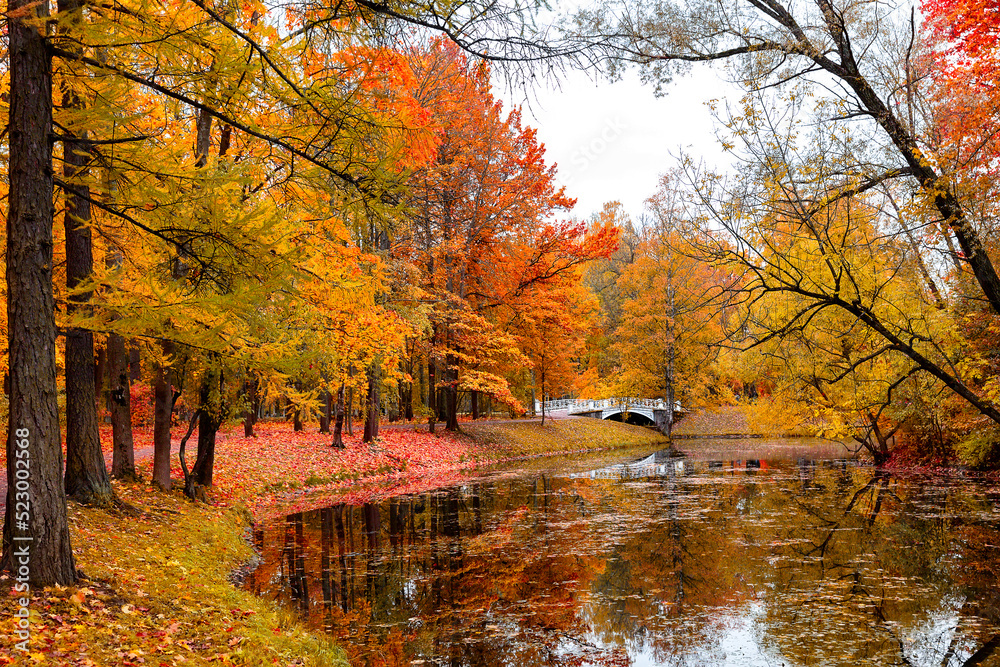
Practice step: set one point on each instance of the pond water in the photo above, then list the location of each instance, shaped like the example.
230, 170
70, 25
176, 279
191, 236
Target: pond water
661, 559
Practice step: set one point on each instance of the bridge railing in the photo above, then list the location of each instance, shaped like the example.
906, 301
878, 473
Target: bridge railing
577, 405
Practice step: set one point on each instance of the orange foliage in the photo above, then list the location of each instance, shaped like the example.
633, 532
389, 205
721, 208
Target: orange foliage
966, 34
482, 235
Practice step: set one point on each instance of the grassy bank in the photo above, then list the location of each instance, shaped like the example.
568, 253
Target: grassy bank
761, 418
159, 592
159, 588
523, 439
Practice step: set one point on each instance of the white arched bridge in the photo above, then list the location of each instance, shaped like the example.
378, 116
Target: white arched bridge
649, 411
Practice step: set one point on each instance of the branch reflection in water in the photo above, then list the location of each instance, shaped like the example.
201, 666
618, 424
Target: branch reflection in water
658, 561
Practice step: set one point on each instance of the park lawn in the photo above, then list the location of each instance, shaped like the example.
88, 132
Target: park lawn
160, 588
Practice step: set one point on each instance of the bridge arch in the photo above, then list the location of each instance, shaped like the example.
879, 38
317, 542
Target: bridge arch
637, 417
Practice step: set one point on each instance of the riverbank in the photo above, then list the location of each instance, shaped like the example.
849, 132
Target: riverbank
159, 588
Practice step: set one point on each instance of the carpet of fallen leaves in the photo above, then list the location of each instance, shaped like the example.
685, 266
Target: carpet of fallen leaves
279, 463
159, 587
724, 420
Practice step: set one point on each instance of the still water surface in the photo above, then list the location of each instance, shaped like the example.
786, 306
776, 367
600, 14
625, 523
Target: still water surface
659, 560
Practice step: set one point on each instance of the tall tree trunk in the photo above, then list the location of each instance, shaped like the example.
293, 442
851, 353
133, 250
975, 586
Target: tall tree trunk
451, 396
208, 426
120, 385
431, 395
542, 387
134, 363
86, 478
163, 407
441, 405
297, 411
120, 409
350, 411
474, 400
533, 399
406, 394
668, 389
86, 473
338, 425
251, 395
324, 417
668, 397
33, 414
190, 488
372, 406
100, 373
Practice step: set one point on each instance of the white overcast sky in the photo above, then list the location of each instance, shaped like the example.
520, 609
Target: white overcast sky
613, 140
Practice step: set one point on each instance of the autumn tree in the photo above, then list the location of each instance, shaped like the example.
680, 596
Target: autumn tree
962, 64
960, 71
831, 272
33, 419
774, 43
601, 277
670, 327
552, 334
480, 232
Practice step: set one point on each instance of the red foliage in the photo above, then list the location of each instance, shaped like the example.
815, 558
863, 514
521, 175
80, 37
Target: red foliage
972, 27
142, 404
965, 36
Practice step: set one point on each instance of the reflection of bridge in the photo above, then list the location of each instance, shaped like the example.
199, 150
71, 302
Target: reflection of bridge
646, 411
663, 463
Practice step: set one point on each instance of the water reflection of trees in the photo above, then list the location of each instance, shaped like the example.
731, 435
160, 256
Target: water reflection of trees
871, 570
662, 587
481, 575
823, 564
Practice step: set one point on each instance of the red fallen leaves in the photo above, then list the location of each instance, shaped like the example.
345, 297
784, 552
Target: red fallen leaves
281, 458
272, 468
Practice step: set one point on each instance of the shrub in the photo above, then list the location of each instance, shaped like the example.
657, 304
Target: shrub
979, 448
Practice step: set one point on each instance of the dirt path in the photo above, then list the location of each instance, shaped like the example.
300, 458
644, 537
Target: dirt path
140, 454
